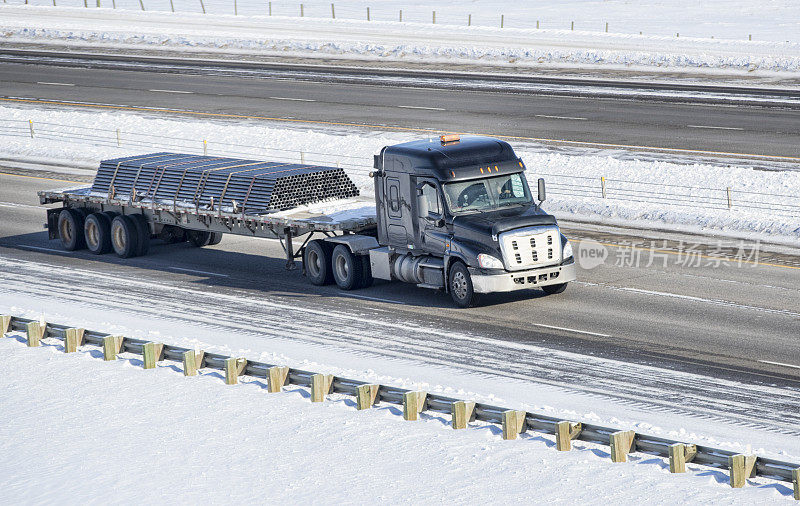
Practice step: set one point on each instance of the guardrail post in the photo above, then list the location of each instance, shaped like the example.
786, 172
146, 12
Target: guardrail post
320, 386
796, 483
463, 412
366, 395
679, 455
413, 404
192, 361
152, 353
565, 433
5, 324
622, 443
741, 468
513, 423
111, 346
234, 367
72, 339
276, 378
35, 331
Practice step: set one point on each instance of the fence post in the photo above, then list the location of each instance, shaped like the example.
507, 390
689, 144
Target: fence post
192, 361
606, 26
113, 3
203, 6
301, 11
730, 200
72, 339
320, 386
434, 17
205, 147
679, 455
603, 185
97, 2
572, 25
270, 8
5, 324
35, 331
85, 4
366, 395
368, 14
502, 20
152, 353
469, 20
413, 404
141, 4
537, 24
276, 378
302, 157
118, 141
513, 423
111, 347
30, 124
235, 7
333, 12
401, 15
565, 433
741, 467
750, 37
234, 367
622, 443
463, 412
172, 5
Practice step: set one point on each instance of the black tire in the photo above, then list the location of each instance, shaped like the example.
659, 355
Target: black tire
554, 289
460, 285
97, 233
366, 272
347, 269
70, 229
317, 262
171, 234
216, 238
198, 238
124, 236
143, 229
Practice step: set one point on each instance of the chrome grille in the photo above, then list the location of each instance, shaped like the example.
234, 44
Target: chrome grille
530, 247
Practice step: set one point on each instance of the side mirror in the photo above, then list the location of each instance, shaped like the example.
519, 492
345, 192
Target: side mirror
422, 205
542, 194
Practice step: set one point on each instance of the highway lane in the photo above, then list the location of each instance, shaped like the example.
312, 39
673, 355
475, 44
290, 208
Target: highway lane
633, 122
714, 335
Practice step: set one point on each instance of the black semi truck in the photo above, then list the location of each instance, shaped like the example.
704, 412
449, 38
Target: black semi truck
454, 214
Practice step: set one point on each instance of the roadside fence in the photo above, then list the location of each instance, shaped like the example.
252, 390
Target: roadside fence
596, 189
513, 422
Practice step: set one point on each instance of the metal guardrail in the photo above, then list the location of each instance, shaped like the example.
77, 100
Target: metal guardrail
642, 443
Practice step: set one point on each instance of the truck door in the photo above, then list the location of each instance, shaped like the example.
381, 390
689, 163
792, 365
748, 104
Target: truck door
395, 228
433, 232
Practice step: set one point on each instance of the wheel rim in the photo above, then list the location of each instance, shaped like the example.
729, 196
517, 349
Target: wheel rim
65, 230
459, 285
314, 264
92, 234
342, 269
118, 236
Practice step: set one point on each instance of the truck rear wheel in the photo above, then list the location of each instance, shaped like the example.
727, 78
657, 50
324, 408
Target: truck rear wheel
124, 236
554, 289
347, 269
143, 231
97, 231
317, 261
198, 238
70, 229
460, 282
216, 238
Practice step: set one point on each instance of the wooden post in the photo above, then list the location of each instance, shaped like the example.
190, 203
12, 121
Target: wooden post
463, 412
111, 346
741, 467
366, 395
35, 332
235, 7
537, 24
368, 14
730, 200
401, 15
572, 26
333, 12
413, 404
622, 443
172, 5
513, 423
679, 455
192, 361
30, 124
141, 4
796, 483
152, 353
434, 17
301, 10
234, 367
606, 26
469, 20
5, 324
276, 378
502, 20
270, 8
72, 339
320, 386
565, 433
603, 186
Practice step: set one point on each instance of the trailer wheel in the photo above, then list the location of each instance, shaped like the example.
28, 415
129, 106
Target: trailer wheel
366, 272
347, 269
554, 289
97, 231
460, 282
70, 229
216, 238
198, 238
317, 261
143, 231
124, 236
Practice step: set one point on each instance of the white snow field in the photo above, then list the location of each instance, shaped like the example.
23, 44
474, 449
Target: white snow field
76, 429
674, 35
640, 190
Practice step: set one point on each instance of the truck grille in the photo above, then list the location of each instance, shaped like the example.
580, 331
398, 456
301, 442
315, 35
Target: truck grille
530, 247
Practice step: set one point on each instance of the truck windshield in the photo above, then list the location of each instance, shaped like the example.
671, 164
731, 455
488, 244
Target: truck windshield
487, 194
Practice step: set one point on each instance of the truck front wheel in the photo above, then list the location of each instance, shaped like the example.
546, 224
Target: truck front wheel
348, 271
460, 284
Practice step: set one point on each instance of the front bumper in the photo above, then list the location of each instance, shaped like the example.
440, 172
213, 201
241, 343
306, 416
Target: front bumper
521, 280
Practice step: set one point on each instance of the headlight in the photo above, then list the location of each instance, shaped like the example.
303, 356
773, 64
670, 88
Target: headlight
489, 262
568, 250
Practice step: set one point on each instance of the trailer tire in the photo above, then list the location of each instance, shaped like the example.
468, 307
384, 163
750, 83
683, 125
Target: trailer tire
70, 229
554, 289
366, 272
216, 238
460, 285
347, 268
317, 262
198, 238
97, 233
143, 231
124, 236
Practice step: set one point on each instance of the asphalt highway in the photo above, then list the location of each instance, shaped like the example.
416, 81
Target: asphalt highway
730, 321
569, 116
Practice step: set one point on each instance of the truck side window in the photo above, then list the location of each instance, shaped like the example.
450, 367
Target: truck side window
432, 196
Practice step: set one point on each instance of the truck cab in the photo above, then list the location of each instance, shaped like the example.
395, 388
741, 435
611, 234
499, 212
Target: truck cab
458, 214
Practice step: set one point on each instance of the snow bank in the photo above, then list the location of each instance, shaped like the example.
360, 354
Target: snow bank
389, 40
641, 191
